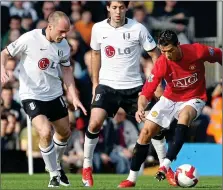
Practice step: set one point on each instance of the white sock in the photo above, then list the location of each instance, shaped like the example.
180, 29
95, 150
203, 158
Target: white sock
49, 157
60, 147
89, 146
133, 176
141, 169
160, 147
166, 162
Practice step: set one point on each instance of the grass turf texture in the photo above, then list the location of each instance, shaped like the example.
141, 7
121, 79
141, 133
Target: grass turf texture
102, 181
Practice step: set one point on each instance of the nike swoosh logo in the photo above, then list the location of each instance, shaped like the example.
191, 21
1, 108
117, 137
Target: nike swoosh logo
104, 37
42, 49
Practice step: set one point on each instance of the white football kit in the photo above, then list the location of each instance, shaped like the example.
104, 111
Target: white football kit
120, 52
40, 58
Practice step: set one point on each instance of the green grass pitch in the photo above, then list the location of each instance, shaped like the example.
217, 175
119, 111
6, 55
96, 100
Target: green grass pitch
102, 181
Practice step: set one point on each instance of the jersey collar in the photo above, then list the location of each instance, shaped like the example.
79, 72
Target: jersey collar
109, 19
44, 33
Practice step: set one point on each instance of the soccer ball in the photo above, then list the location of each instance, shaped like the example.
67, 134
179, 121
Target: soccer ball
186, 176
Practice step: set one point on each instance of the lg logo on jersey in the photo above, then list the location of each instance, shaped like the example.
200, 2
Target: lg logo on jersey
44, 63
110, 51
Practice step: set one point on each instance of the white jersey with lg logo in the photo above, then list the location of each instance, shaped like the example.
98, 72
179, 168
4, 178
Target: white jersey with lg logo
40, 59
120, 52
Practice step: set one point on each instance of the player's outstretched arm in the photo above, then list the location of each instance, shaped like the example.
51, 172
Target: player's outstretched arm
69, 82
4, 75
95, 65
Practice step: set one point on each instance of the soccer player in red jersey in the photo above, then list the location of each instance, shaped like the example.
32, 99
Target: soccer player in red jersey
182, 67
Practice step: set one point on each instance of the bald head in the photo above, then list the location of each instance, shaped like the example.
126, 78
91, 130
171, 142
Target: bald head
56, 16
58, 26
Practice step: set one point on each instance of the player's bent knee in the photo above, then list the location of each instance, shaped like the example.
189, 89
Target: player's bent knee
95, 126
185, 118
145, 136
145, 132
45, 132
45, 136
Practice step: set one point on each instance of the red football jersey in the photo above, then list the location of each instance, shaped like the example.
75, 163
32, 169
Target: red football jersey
185, 78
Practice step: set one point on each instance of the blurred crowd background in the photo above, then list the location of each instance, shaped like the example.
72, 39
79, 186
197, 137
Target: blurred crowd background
119, 134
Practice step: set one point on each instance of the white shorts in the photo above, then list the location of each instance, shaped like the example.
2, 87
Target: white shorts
165, 110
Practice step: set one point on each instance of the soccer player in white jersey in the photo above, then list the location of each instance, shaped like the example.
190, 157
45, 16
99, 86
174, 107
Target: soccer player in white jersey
42, 52
116, 49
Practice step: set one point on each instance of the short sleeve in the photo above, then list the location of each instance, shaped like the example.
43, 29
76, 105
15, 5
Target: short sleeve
146, 40
19, 46
65, 60
94, 39
208, 53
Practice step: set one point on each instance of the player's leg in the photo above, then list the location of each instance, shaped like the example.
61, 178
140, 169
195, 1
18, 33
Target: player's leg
188, 111
159, 143
60, 138
160, 115
130, 106
105, 104
47, 148
37, 111
140, 152
97, 118
62, 132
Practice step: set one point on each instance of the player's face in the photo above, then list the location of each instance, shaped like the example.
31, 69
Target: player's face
59, 31
171, 52
117, 11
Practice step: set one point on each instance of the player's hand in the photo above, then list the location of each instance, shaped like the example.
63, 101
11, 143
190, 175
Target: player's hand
140, 116
77, 104
4, 76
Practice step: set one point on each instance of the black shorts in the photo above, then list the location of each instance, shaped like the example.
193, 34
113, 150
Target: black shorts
53, 110
111, 99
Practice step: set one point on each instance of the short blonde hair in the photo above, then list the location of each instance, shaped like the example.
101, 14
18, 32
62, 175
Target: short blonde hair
54, 17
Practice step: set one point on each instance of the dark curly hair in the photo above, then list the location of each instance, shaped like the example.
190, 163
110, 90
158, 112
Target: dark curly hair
167, 37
